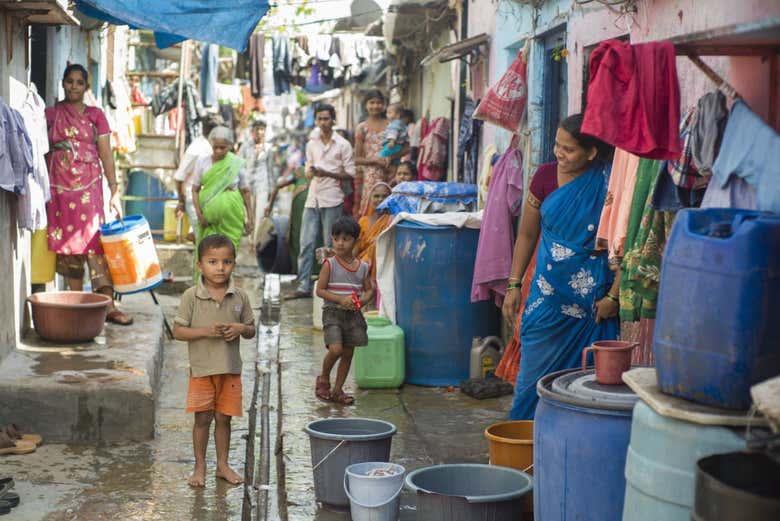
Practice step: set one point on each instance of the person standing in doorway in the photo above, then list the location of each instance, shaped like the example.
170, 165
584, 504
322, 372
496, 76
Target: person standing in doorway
328, 164
80, 141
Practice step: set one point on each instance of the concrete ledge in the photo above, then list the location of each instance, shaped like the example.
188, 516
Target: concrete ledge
101, 391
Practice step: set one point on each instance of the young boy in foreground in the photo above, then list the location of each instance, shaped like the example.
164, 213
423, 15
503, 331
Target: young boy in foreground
345, 286
212, 316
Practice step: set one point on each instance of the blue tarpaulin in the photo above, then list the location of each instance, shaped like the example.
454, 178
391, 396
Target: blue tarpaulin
431, 197
226, 23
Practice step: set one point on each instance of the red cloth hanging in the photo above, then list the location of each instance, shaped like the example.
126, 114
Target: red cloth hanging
634, 98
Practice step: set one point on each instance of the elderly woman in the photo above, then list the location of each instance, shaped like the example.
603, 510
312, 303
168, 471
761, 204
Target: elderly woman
80, 145
220, 191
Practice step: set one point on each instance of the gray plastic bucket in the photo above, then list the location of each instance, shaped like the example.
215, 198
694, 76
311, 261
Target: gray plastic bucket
470, 492
374, 498
337, 443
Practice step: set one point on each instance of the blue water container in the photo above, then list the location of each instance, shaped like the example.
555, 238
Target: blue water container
717, 331
581, 435
434, 266
146, 195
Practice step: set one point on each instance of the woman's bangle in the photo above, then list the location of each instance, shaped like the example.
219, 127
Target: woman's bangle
515, 279
612, 297
514, 285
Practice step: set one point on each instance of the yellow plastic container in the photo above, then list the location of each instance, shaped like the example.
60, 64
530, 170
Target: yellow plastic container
171, 224
42, 259
511, 444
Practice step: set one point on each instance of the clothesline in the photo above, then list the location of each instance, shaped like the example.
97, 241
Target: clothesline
725, 87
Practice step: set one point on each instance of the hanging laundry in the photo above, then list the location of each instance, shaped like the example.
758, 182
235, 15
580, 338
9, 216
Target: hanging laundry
165, 101
432, 164
682, 170
707, 130
613, 225
249, 103
646, 237
16, 159
32, 204
281, 65
490, 158
736, 193
256, 55
496, 236
468, 143
668, 197
634, 98
209, 67
751, 150
505, 102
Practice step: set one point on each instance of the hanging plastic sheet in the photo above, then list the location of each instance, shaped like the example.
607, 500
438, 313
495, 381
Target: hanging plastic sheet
226, 23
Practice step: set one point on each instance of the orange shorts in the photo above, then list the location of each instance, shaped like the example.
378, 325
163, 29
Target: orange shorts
219, 392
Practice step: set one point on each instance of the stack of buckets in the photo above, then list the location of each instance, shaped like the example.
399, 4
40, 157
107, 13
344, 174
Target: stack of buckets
350, 461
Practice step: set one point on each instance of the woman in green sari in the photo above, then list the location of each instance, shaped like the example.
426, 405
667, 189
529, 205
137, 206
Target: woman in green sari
220, 193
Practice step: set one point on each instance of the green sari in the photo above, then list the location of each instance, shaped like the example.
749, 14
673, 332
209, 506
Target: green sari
222, 208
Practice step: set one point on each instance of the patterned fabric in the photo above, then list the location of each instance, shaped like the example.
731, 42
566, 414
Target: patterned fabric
611, 235
372, 148
432, 163
645, 241
75, 211
559, 318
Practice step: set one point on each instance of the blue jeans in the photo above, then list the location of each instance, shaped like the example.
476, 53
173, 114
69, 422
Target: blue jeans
315, 221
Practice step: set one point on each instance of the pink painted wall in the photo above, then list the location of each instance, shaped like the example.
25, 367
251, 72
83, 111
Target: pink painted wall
662, 19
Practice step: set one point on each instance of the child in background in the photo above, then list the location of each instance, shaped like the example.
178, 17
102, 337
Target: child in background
406, 171
396, 134
345, 286
212, 316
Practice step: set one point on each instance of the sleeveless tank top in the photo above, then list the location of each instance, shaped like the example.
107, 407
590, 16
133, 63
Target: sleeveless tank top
344, 281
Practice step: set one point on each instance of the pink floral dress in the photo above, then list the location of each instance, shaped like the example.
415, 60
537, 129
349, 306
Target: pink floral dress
372, 146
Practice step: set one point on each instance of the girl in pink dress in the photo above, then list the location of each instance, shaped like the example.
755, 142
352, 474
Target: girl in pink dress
368, 144
80, 142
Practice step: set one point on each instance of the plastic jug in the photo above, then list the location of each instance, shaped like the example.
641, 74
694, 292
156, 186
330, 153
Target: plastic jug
380, 364
612, 358
485, 356
716, 331
131, 254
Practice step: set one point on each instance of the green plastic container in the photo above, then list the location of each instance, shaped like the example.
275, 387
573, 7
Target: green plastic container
380, 364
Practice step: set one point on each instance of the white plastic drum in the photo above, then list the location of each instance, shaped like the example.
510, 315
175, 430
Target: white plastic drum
131, 254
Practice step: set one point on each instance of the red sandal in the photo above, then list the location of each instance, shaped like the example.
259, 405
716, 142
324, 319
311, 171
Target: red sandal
322, 389
342, 398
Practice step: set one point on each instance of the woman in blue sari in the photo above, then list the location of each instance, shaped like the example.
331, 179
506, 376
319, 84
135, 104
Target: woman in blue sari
573, 298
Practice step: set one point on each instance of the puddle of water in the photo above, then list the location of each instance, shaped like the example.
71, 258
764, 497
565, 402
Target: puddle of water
55, 362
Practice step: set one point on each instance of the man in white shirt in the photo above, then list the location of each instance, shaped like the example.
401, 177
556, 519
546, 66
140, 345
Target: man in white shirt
328, 164
198, 148
259, 170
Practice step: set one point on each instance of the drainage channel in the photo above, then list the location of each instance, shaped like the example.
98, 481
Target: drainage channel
257, 472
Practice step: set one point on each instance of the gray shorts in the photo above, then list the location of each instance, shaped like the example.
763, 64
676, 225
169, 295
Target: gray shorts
341, 326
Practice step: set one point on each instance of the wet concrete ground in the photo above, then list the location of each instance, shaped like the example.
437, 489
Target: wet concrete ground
147, 481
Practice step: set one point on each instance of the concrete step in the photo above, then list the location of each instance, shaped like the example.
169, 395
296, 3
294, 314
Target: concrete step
99, 391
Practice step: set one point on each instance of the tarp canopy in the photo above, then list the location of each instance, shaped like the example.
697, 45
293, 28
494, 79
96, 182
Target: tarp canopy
228, 23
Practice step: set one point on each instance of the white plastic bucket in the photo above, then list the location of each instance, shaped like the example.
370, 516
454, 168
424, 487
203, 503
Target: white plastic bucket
374, 497
131, 255
316, 309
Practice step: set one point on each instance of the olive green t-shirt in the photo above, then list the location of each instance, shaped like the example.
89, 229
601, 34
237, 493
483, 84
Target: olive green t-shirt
210, 356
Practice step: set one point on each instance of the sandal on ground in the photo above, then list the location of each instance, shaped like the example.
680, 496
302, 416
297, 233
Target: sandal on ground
342, 398
119, 317
7, 495
5, 507
322, 389
9, 446
15, 433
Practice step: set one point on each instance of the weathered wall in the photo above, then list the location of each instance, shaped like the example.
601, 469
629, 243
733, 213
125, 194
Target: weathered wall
663, 19
14, 243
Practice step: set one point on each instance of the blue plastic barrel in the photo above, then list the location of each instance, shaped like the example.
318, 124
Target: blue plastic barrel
581, 434
661, 463
146, 195
717, 330
434, 266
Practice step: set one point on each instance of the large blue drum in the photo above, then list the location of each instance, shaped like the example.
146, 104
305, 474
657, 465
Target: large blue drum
581, 435
434, 266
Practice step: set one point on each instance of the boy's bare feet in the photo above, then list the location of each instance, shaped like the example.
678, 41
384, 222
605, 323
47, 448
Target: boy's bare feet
198, 478
229, 475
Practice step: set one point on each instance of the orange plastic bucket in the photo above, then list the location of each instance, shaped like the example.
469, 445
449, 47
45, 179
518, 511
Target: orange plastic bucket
511, 444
